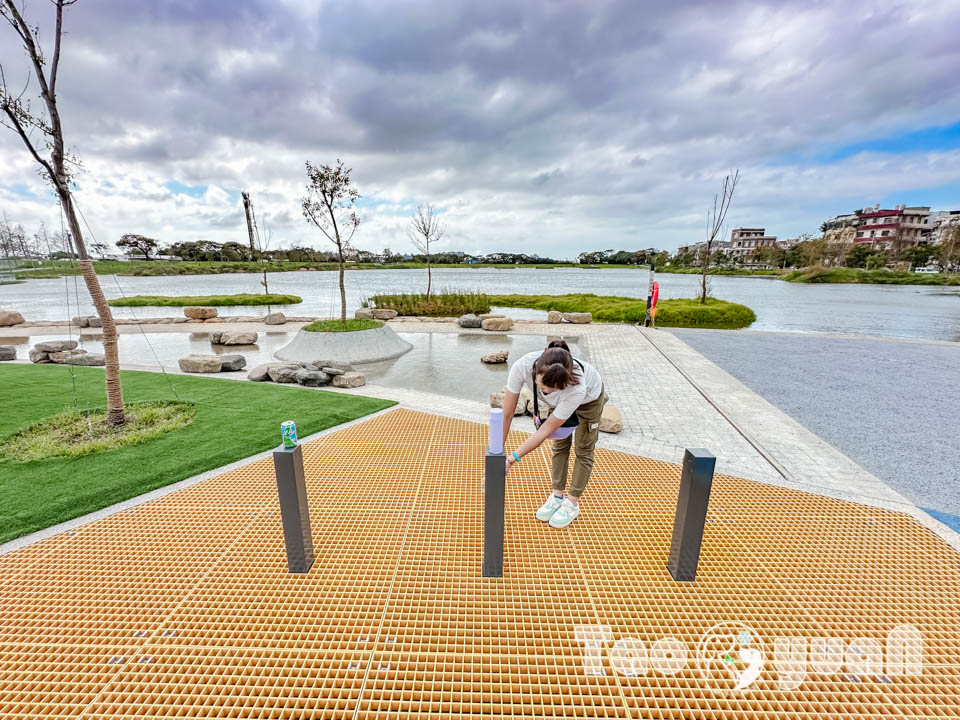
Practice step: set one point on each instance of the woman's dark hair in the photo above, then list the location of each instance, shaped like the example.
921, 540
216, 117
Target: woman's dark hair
555, 366
559, 344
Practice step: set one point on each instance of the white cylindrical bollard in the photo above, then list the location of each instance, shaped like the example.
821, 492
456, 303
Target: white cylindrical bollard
495, 441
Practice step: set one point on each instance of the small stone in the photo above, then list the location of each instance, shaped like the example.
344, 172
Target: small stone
56, 346
384, 314
554, 317
63, 357
81, 322
495, 358
39, 356
87, 359
364, 314
578, 318
10, 317
94, 321
232, 363
8, 352
497, 323
235, 337
611, 421
333, 371
350, 379
283, 373
468, 321
200, 364
277, 318
215, 337
312, 378
200, 312
259, 373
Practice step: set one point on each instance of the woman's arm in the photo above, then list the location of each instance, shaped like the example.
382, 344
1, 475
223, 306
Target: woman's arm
509, 406
534, 441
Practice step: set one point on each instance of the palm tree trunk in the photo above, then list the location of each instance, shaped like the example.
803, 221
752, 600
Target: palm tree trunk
115, 414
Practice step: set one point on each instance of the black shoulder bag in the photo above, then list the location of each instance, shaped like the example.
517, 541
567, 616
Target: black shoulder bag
571, 421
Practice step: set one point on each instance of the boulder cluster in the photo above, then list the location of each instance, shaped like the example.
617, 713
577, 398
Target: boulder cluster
486, 321
312, 374
64, 352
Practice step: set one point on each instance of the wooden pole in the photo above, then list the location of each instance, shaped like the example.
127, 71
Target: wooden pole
247, 205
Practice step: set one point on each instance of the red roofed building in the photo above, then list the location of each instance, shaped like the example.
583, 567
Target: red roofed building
887, 229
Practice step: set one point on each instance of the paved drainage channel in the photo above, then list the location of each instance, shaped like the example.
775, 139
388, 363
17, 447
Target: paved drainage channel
185, 608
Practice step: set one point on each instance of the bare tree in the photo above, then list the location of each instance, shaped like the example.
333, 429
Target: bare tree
329, 205
715, 220
17, 116
425, 229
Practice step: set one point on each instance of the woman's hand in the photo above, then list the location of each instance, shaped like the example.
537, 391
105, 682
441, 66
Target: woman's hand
509, 465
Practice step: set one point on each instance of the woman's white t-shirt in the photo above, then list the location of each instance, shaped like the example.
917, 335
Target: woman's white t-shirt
564, 402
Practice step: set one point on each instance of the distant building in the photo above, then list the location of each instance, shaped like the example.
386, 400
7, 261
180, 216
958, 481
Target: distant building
697, 249
942, 225
884, 229
745, 241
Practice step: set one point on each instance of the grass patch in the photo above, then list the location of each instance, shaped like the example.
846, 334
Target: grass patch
681, 312
74, 433
351, 325
736, 272
442, 304
233, 420
820, 274
217, 300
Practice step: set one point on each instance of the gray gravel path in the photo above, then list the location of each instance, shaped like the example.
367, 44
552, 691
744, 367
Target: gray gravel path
892, 406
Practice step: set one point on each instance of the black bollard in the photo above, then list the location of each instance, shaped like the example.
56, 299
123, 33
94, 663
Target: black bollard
494, 491
695, 483
294, 512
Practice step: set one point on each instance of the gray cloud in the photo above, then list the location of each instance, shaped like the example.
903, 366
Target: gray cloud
567, 124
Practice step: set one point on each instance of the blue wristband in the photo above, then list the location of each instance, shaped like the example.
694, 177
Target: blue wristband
516, 458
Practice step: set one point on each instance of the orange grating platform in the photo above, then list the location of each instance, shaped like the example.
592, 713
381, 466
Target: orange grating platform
183, 607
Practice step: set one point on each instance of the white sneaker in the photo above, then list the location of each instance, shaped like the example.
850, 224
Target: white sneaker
547, 510
565, 515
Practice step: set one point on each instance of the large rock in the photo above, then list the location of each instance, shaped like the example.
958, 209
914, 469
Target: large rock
554, 317
66, 355
468, 321
578, 318
384, 314
611, 421
8, 352
364, 314
10, 317
232, 363
259, 373
524, 402
81, 322
497, 323
350, 379
93, 321
236, 337
53, 346
200, 364
495, 358
485, 316
312, 378
215, 337
282, 373
332, 367
277, 318
200, 312
88, 359
39, 356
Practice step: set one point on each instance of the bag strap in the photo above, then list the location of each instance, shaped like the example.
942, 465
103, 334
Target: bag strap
536, 390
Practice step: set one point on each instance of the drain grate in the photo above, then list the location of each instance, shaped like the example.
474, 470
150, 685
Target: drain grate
185, 608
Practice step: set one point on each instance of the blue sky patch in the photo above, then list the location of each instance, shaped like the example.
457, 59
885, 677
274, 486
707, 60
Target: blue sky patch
179, 188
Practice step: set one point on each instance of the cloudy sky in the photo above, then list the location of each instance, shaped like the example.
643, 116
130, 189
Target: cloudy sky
538, 126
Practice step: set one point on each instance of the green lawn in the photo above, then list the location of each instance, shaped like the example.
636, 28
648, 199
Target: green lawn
234, 420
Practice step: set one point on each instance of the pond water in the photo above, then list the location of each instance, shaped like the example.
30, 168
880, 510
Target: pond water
443, 363
878, 310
